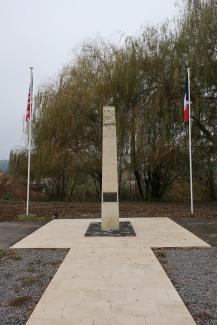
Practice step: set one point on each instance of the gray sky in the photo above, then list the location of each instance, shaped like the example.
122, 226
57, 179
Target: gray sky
43, 33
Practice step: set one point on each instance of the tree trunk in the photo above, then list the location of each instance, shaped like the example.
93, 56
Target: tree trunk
134, 162
156, 184
139, 183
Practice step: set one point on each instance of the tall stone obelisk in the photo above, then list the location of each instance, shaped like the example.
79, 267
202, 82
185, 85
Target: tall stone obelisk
110, 204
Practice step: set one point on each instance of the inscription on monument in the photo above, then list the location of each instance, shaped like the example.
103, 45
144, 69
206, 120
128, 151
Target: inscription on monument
110, 197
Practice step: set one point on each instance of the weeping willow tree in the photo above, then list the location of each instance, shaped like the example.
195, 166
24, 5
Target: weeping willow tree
18, 163
196, 47
143, 78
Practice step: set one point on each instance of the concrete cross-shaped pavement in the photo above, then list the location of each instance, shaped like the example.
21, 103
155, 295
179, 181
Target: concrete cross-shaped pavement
111, 280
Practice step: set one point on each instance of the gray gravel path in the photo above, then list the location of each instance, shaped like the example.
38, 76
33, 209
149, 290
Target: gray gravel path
24, 276
194, 274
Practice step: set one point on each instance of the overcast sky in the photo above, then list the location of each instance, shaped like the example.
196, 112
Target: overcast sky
43, 33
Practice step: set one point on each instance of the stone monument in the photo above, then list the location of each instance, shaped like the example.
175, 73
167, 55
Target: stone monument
110, 205
109, 225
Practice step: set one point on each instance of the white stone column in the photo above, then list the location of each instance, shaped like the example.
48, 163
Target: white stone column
110, 204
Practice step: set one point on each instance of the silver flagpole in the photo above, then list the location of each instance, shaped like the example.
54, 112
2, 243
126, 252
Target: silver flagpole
29, 149
190, 152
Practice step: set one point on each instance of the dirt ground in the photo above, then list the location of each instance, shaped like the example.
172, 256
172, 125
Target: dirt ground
205, 229
12, 232
10, 209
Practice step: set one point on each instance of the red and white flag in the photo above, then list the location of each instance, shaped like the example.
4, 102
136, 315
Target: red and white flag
186, 101
28, 119
29, 101
187, 119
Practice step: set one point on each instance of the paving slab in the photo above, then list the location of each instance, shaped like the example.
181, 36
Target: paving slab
111, 280
150, 232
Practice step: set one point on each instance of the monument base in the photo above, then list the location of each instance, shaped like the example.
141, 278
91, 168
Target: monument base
125, 229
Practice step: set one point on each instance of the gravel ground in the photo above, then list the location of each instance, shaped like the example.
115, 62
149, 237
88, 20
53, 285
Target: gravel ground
194, 274
24, 276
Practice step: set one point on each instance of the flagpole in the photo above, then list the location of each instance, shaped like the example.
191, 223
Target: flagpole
190, 151
29, 147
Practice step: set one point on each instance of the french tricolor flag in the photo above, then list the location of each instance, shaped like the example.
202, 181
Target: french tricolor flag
186, 101
187, 118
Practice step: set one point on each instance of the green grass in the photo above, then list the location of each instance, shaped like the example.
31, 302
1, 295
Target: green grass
32, 218
8, 197
2, 253
28, 281
10, 255
15, 257
30, 268
20, 301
